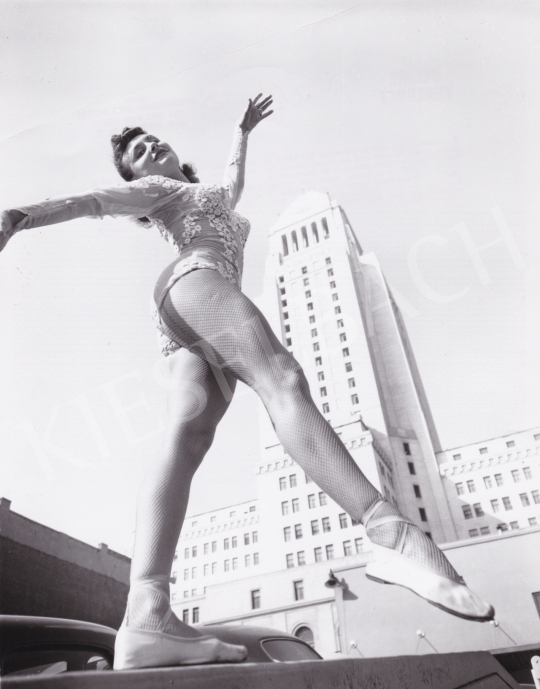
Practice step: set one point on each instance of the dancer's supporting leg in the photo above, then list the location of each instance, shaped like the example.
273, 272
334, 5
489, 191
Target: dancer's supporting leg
195, 407
211, 317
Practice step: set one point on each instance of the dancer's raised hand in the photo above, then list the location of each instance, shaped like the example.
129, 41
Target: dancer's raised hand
255, 112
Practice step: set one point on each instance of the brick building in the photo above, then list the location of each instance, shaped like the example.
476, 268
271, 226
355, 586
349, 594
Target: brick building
47, 573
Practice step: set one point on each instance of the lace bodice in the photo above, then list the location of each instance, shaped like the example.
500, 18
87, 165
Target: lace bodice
199, 220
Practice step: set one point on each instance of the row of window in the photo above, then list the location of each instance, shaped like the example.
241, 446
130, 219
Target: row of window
212, 568
328, 550
304, 237
194, 616
213, 518
252, 537
316, 527
311, 500
496, 504
484, 450
499, 481
484, 530
298, 594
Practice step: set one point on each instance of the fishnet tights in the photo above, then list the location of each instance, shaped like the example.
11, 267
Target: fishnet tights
212, 319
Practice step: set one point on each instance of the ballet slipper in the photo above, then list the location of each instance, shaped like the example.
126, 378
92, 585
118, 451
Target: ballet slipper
140, 648
390, 566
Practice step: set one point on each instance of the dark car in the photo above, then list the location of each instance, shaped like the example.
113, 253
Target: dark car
50, 646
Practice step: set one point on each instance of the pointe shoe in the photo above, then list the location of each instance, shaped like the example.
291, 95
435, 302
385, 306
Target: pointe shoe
139, 648
390, 566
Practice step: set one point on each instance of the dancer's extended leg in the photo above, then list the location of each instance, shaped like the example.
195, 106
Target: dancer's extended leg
213, 319
149, 633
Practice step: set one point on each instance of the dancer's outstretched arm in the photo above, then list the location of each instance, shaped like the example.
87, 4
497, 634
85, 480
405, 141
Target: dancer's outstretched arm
236, 166
137, 198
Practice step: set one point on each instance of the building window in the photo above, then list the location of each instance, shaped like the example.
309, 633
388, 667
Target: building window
332, 284
214, 567
532, 521
304, 270
326, 408
186, 574
359, 545
318, 361
470, 487
510, 443
314, 332
351, 382
507, 504
467, 511
483, 450
289, 558
456, 458
308, 293
226, 565
282, 290
283, 302
311, 501
206, 570
337, 309
495, 506
255, 558
320, 375
287, 328
326, 524
282, 483
484, 530
323, 392
234, 541
306, 282
301, 558
536, 436
328, 261
310, 306
412, 470
406, 448
516, 476
329, 552
288, 342
417, 492
296, 505
308, 480
256, 599
345, 351
316, 347
287, 533
335, 296
285, 315
330, 272
527, 473
525, 499
294, 240
478, 511
185, 616
348, 367
298, 590
499, 479
536, 496
186, 554
347, 548
298, 530
193, 572
247, 560
246, 539
292, 480
206, 548
514, 525
473, 533
305, 242
255, 537
488, 482
318, 554
342, 337
235, 563
354, 398
315, 527
226, 544
343, 523
423, 515
322, 499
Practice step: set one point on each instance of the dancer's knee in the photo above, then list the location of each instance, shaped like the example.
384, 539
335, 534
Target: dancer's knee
285, 384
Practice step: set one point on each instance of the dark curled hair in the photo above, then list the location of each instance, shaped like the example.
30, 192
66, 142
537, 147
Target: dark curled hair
119, 143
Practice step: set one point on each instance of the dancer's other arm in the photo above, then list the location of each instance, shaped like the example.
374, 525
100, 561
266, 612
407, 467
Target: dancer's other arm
235, 171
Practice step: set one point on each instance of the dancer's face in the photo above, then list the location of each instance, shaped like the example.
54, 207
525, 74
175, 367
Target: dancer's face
147, 155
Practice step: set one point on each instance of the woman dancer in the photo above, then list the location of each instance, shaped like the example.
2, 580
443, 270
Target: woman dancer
214, 335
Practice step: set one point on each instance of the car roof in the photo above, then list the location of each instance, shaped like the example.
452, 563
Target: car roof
17, 630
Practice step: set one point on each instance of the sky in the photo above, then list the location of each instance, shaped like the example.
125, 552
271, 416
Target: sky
419, 118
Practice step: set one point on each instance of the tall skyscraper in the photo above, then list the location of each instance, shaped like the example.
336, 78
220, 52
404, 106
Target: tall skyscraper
336, 314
